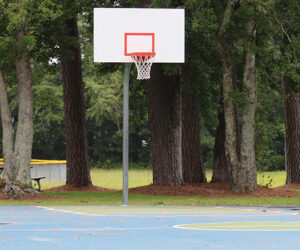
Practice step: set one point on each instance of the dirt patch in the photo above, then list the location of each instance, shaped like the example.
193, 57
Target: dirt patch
212, 190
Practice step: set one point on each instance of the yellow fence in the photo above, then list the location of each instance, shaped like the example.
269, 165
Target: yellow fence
40, 162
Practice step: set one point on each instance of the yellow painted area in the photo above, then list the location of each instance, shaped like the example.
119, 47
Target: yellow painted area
101, 210
246, 226
47, 162
41, 162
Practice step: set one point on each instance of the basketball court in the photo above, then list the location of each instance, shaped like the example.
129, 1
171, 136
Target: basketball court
147, 227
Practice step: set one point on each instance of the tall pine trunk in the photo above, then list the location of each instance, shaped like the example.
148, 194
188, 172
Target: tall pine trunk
292, 131
192, 165
164, 110
78, 172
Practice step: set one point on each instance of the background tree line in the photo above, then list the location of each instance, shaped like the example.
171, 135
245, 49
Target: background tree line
232, 107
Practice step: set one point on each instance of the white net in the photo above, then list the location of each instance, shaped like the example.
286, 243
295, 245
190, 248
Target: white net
143, 64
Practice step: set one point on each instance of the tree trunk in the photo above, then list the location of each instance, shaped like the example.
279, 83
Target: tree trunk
78, 172
24, 135
292, 132
18, 156
192, 165
164, 110
231, 134
220, 168
240, 153
7, 128
246, 175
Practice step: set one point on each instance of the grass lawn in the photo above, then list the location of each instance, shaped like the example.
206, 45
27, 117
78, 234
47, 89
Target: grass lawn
115, 198
113, 179
140, 177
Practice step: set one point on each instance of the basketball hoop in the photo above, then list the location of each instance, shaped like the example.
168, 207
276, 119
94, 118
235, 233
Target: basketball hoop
143, 63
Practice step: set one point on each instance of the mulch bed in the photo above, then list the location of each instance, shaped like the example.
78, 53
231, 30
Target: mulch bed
42, 196
212, 190
204, 190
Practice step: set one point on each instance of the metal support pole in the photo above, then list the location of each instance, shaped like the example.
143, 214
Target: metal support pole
126, 132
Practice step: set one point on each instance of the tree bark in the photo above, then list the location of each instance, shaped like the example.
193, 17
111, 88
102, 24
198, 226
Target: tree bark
240, 155
246, 175
192, 165
7, 128
231, 136
17, 155
24, 135
164, 110
78, 172
292, 132
220, 168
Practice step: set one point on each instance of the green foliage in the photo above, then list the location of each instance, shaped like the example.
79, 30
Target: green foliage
104, 115
286, 31
49, 137
207, 145
104, 95
104, 118
238, 97
270, 129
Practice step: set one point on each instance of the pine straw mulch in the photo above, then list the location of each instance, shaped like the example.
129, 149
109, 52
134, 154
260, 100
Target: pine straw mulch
42, 196
204, 190
212, 190
31, 197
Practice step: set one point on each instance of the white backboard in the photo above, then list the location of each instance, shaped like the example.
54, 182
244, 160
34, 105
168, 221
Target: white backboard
118, 32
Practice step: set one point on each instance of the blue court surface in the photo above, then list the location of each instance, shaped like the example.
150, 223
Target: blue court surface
118, 227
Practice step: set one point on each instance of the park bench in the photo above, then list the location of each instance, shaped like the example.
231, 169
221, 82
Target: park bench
38, 179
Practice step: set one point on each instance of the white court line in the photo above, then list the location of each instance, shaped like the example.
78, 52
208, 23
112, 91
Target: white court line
64, 211
84, 229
